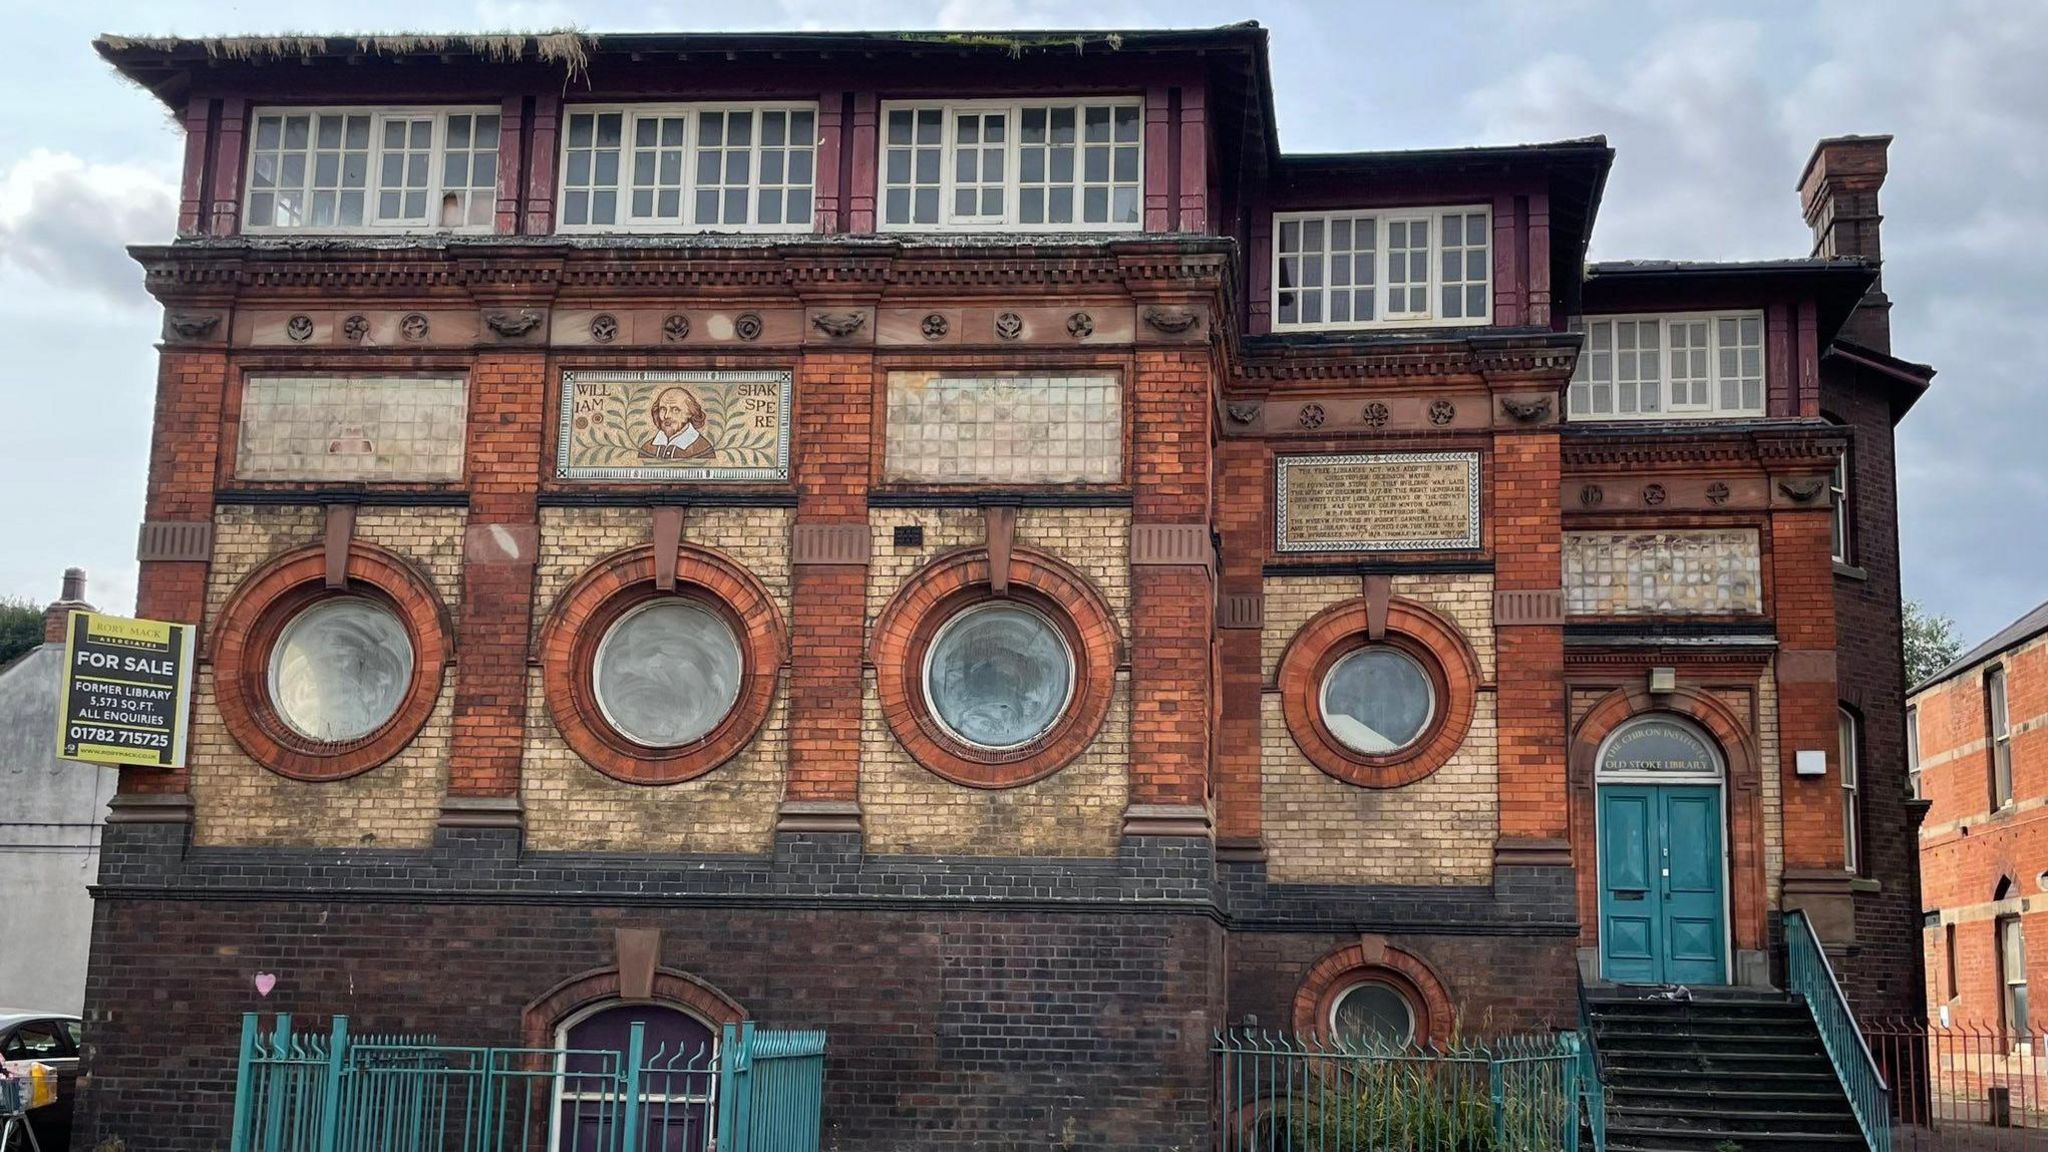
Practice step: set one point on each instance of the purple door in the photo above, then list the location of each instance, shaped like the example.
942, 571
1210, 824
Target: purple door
677, 1086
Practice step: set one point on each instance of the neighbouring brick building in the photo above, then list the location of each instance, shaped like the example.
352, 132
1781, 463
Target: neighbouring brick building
961, 542
1977, 727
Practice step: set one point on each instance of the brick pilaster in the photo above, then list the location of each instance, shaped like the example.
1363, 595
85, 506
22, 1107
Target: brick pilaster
500, 545
828, 597
1529, 626
184, 452
1172, 605
1241, 518
1803, 593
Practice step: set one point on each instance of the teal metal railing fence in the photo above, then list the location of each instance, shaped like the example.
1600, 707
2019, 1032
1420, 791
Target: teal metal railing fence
1810, 976
1296, 1094
1592, 1079
332, 1091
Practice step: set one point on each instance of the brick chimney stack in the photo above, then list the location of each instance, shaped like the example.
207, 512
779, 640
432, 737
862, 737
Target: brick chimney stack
1838, 194
55, 616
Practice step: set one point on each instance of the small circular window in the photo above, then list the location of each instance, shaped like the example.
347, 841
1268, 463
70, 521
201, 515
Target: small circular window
1377, 700
998, 676
1372, 1015
340, 670
666, 673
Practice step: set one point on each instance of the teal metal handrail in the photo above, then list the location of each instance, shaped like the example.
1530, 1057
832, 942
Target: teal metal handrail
1284, 1093
1592, 1077
330, 1091
1810, 976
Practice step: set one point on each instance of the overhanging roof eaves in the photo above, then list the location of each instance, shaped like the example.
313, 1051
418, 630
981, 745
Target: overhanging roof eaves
1836, 284
159, 62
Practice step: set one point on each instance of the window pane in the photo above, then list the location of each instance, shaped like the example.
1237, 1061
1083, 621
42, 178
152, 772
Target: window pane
340, 669
666, 674
1377, 699
998, 675
1372, 1016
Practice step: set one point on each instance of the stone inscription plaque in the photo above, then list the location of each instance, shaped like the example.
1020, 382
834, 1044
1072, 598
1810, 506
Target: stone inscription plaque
1380, 502
674, 426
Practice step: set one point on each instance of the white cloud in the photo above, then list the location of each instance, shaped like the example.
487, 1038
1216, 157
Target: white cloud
64, 221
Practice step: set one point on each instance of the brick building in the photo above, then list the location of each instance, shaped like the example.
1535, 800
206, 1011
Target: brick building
1977, 728
964, 543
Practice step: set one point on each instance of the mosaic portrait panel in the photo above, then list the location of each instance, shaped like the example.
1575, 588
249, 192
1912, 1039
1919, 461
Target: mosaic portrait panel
731, 426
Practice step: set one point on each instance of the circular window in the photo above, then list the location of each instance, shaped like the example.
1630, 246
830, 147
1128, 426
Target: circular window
997, 676
667, 672
1377, 700
1378, 703
1372, 1014
656, 686
340, 669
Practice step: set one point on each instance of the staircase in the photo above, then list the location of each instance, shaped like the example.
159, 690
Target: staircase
1724, 1070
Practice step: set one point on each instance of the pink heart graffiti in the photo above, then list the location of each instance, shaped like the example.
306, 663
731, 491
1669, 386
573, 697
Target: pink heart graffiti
265, 981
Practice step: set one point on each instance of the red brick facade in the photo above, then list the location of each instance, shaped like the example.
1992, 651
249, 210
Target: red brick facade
1189, 843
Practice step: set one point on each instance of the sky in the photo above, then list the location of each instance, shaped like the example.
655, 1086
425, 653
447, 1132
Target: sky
1711, 108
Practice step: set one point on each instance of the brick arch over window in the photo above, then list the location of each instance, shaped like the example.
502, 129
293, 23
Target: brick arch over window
671, 988
254, 617
1433, 641
1744, 800
616, 585
1371, 958
949, 584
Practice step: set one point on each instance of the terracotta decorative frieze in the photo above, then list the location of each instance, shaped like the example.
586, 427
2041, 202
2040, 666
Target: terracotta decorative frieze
839, 325
185, 326
299, 328
1334, 413
1172, 321
1665, 493
675, 328
1528, 409
513, 325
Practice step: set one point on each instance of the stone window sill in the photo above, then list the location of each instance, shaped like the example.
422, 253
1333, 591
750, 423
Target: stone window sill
1851, 571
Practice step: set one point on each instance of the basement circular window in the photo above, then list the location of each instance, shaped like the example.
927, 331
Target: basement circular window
340, 669
1372, 1014
998, 675
1377, 700
667, 672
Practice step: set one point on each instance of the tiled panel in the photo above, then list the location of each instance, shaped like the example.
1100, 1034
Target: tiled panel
1709, 571
1004, 429
352, 428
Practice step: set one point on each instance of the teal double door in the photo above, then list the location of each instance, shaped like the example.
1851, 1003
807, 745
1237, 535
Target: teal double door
1663, 906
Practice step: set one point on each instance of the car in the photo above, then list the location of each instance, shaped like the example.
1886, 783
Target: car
50, 1038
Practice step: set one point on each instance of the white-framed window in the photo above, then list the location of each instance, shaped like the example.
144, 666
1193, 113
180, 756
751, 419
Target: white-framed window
1383, 268
1913, 783
1838, 491
371, 170
1677, 365
2000, 738
1850, 736
1051, 166
688, 168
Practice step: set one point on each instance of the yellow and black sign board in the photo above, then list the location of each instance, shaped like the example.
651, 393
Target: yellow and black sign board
127, 691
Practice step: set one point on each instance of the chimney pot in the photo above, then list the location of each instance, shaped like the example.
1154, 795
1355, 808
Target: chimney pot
58, 614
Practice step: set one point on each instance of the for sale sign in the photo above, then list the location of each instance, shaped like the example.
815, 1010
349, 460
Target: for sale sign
127, 690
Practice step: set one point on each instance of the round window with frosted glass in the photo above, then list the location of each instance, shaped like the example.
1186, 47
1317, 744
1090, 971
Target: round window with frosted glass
1377, 700
340, 669
667, 672
998, 676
